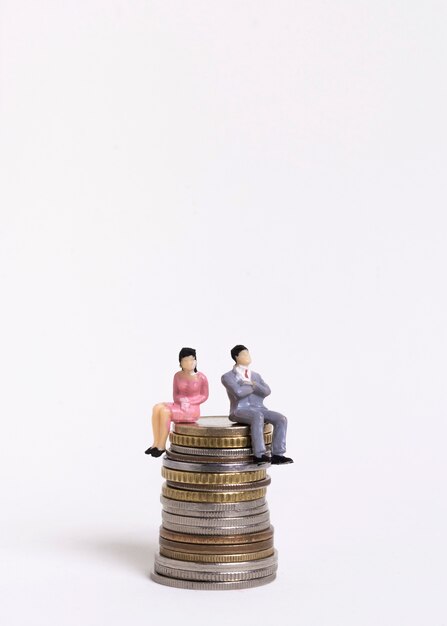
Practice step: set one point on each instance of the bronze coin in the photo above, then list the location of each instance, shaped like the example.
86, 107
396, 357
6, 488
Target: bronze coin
182, 546
194, 557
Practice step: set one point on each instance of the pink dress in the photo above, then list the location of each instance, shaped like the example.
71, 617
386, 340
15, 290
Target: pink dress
189, 393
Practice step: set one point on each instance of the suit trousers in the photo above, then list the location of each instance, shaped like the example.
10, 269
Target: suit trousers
255, 417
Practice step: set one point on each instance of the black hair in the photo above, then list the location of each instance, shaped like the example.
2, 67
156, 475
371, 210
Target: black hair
187, 352
235, 351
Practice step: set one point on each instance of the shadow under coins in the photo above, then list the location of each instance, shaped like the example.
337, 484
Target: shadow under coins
125, 553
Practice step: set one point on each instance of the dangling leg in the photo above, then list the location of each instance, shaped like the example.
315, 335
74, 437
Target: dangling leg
163, 427
279, 437
157, 424
156, 421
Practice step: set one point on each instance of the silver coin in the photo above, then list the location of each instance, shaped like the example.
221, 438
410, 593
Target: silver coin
215, 514
215, 426
192, 584
232, 576
216, 421
222, 522
191, 566
219, 452
196, 458
215, 507
213, 467
224, 530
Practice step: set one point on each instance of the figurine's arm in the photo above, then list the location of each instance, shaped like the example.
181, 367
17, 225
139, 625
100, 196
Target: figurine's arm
238, 388
261, 388
176, 391
204, 392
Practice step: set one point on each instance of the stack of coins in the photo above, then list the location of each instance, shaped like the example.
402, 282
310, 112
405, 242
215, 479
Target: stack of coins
216, 531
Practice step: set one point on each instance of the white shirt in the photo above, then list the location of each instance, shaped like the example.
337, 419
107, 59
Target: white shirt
241, 369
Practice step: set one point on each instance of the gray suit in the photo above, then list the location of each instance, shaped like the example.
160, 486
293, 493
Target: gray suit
247, 407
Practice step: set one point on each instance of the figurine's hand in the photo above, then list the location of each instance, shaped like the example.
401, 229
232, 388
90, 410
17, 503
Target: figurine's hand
184, 403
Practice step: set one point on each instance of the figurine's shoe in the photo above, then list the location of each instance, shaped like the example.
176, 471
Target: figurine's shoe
157, 452
279, 459
149, 450
260, 460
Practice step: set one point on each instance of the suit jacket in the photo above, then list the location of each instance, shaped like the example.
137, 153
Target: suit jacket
243, 395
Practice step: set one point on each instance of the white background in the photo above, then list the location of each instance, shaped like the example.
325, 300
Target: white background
207, 173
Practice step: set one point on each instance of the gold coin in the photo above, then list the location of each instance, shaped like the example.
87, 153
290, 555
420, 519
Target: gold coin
217, 539
217, 558
233, 486
232, 430
215, 478
214, 442
212, 496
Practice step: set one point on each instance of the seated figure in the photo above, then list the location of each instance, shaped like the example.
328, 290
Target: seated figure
246, 391
190, 390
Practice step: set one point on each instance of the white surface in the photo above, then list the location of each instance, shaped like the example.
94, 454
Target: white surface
208, 173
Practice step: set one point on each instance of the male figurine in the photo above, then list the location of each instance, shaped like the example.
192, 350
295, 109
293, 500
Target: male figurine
246, 391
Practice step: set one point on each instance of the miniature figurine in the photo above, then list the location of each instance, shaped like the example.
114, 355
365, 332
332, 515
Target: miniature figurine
246, 391
190, 390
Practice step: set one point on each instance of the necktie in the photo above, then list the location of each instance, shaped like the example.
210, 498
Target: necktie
246, 373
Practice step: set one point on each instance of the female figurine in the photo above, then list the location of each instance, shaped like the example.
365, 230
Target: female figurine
190, 390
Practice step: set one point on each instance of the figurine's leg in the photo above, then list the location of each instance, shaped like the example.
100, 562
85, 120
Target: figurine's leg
156, 421
279, 431
160, 413
161, 431
256, 420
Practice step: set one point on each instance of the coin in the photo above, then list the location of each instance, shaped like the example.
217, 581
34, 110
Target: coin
217, 548
215, 514
223, 530
233, 576
215, 523
216, 567
233, 486
212, 478
231, 429
217, 539
214, 442
212, 496
200, 557
204, 466
218, 508
214, 452
192, 584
